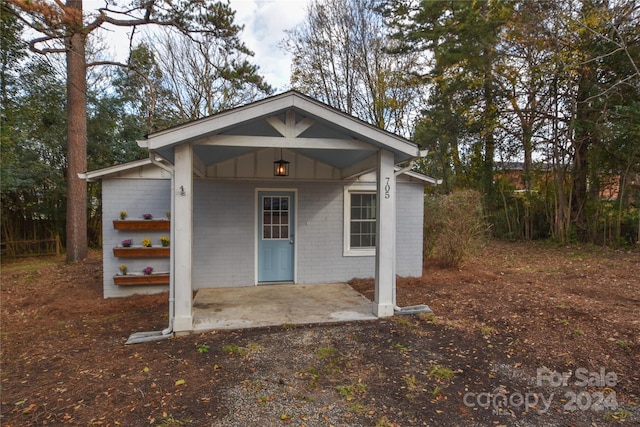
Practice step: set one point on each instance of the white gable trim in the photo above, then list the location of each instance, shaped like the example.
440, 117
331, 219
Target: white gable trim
266, 108
146, 169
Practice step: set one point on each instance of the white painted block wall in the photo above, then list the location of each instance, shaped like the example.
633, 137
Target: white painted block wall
136, 197
224, 224
225, 229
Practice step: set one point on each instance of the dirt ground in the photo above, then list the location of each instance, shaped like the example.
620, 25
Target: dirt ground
522, 335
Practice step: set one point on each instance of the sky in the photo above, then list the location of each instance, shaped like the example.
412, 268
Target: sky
265, 22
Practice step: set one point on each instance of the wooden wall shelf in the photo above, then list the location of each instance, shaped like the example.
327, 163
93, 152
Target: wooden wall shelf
141, 280
141, 252
142, 224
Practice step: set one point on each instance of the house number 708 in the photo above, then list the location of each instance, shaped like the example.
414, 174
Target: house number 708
387, 188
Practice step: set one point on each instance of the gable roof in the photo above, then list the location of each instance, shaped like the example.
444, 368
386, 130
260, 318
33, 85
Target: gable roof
289, 120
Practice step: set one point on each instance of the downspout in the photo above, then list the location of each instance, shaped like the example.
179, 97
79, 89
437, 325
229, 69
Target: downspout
172, 298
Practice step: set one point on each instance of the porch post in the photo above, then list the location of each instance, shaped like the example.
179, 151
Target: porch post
384, 302
183, 218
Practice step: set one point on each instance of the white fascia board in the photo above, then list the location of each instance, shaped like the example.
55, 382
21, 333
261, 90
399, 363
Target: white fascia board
97, 174
391, 141
219, 121
421, 177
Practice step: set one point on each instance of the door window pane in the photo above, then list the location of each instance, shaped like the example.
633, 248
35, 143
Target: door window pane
275, 217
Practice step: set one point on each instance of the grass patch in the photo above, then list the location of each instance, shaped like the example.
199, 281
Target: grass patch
410, 381
348, 392
427, 317
619, 415
202, 348
437, 391
441, 373
383, 422
315, 377
235, 349
331, 358
402, 320
624, 345
399, 346
486, 330
326, 352
16, 265
169, 421
358, 408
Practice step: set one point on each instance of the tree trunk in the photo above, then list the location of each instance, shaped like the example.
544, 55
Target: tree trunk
76, 138
583, 139
489, 123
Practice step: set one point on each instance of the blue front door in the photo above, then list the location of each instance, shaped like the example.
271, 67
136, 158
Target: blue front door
276, 241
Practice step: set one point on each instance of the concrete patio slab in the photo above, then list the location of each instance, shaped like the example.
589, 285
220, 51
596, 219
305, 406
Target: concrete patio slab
272, 305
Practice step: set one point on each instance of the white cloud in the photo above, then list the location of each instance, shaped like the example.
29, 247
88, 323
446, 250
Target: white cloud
265, 22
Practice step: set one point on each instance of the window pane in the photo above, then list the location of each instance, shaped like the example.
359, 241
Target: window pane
266, 233
266, 218
266, 203
284, 232
284, 204
369, 206
362, 231
284, 218
275, 232
275, 203
275, 217
355, 212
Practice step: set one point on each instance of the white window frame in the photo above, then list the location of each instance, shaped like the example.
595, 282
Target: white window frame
348, 191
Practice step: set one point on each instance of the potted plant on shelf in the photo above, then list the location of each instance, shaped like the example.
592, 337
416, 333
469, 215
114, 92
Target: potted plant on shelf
168, 214
147, 216
123, 215
164, 241
123, 270
147, 271
146, 242
126, 243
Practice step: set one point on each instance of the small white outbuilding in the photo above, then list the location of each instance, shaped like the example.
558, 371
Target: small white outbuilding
282, 190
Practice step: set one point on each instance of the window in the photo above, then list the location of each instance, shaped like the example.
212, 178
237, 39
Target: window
275, 217
360, 222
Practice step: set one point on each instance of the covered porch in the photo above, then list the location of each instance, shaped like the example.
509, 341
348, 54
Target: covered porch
225, 164
277, 305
